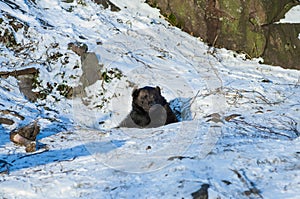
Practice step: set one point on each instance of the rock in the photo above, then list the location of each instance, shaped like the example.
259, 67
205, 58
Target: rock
26, 87
12, 113
91, 72
107, 4
6, 121
202, 193
26, 79
16, 73
26, 136
78, 48
283, 45
243, 26
4, 167
91, 69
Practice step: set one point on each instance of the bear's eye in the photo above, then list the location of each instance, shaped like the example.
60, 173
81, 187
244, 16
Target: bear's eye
146, 96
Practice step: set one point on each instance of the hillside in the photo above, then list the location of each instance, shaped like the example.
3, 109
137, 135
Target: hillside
239, 131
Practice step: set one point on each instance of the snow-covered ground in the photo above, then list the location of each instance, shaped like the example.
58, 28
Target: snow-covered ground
240, 123
292, 16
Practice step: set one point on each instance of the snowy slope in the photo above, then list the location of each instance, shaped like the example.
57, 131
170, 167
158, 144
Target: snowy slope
240, 119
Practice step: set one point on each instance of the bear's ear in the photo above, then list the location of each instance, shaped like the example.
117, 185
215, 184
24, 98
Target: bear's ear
135, 92
158, 89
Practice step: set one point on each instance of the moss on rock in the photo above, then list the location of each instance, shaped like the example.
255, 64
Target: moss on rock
236, 25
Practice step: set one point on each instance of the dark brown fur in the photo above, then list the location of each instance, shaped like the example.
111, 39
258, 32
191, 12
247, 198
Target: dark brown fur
149, 109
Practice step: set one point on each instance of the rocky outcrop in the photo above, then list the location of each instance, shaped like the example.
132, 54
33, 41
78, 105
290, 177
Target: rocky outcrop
107, 4
244, 26
26, 136
26, 78
283, 45
91, 69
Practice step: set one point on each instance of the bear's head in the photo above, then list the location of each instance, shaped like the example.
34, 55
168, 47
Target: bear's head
147, 97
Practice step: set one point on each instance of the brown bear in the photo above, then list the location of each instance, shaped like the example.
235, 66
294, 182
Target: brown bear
149, 109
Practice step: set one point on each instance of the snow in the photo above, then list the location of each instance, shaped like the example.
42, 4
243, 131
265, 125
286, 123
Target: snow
292, 16
82, 155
